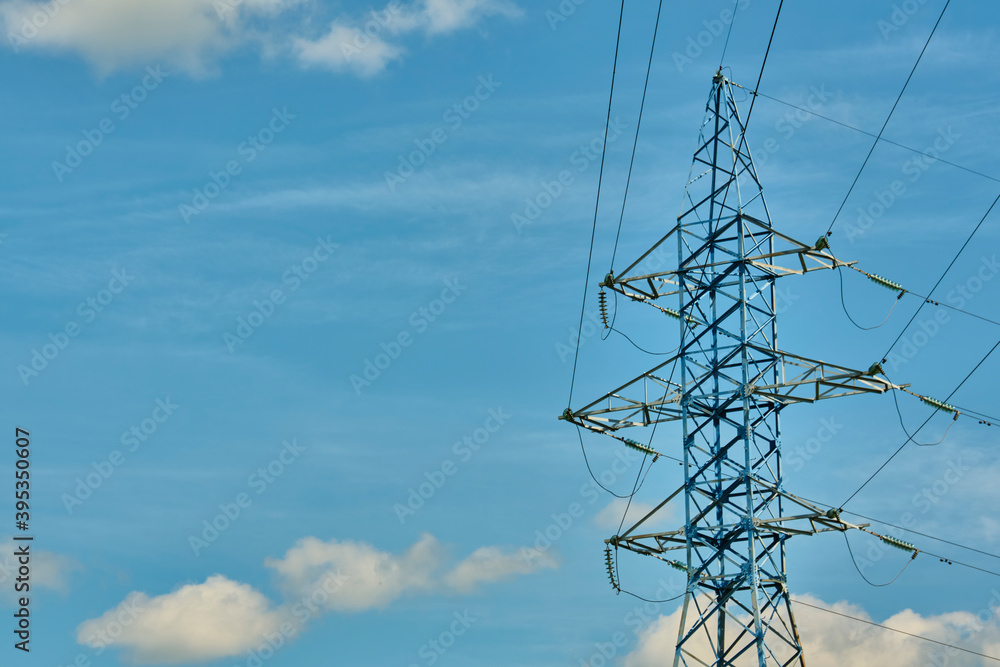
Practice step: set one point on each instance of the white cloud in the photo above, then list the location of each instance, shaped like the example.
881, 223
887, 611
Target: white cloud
361, 46
833, 641
191, 35
48, 570
339, 51
373, 578
221, 618
489, 564
196, 623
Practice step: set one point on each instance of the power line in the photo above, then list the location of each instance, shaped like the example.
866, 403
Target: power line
642, 105
902, 292
916, 532
907, 441
597, 205
947, 269
886, 123
882, 139
763, 64
725, 47
902, 632
867, 581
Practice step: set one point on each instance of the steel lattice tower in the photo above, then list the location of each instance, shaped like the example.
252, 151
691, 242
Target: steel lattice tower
734, 382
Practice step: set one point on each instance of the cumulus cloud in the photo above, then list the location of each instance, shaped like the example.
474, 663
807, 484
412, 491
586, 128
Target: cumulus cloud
489, 564
221, 618
833, 641
373, 578
196, 623
191, 35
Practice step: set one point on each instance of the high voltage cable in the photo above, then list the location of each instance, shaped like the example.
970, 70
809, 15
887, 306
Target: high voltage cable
882, 139
763, 64
642, 105
902, 292
902, 632
945, 273
725, 47
597, 204
907, 441
915, 532
868, 581
886, 123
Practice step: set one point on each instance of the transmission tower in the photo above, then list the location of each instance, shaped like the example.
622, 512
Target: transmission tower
733, 383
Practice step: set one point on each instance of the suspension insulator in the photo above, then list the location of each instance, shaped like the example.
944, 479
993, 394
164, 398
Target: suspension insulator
821, 244
602, 302
674, 314
940, 405
611, 568
899, 544
677, 565
879, 280
876, 369
638, 446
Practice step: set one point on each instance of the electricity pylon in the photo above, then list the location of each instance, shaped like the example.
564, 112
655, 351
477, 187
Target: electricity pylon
733, 383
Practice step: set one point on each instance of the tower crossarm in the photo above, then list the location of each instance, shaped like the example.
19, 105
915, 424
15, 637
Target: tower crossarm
808, 380
788, 257
651, 398
647, 399
805, 519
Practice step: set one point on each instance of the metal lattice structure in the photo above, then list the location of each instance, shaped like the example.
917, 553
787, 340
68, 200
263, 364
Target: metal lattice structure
733, 383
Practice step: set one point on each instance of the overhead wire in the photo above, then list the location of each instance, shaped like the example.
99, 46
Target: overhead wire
925, 154
945, 273
597, 205
910, 438
642, 105
869, 581
887, 119
902, 632
843, 303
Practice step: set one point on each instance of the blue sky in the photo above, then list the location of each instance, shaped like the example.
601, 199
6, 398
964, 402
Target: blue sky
291, 259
